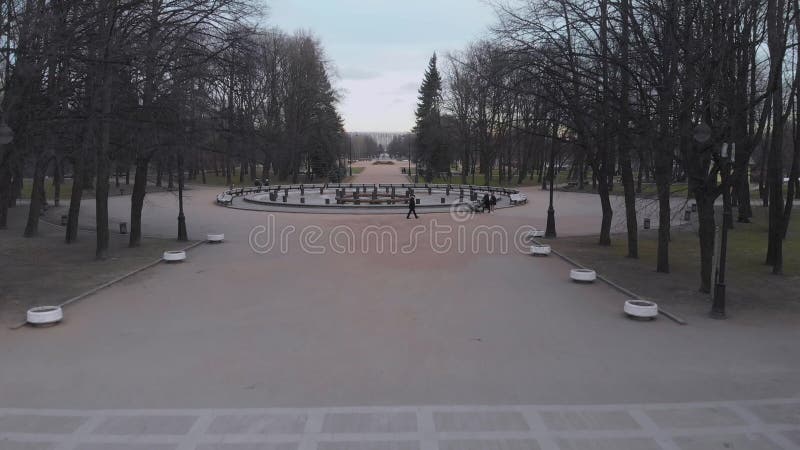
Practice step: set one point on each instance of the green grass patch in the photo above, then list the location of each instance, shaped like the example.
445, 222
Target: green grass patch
747, 246
66, 189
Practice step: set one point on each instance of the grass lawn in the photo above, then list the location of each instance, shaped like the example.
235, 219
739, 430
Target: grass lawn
66, 189
750, 283
220, 180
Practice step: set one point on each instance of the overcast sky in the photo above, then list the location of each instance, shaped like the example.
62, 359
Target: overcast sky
380, 48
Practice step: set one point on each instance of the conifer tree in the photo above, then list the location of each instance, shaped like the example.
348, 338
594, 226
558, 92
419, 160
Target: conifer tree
430, 154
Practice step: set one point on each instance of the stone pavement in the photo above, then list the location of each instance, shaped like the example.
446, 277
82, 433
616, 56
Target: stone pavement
748, 425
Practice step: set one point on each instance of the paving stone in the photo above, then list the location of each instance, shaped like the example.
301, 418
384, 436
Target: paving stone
480, 421
40, 424
281, 446
14, 445
365, 445
95, 446
258, 423
484, 444
588, 420
788, 414
695, 417
726, 442
793, 436
142, 425
608, 444
388, 422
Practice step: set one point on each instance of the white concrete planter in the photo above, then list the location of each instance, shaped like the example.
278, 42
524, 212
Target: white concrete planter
583, 275
174, 256
215, 238
45, 315
540, 250
641, 309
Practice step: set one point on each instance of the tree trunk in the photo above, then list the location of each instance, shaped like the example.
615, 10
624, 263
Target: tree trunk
159, 172
75, 199
605, 203
103, 165
37, 196
5, 194
707, 222
664, 225
137, 201
57, 179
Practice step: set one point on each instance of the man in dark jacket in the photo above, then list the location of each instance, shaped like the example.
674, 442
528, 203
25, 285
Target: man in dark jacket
486, 203
412, 207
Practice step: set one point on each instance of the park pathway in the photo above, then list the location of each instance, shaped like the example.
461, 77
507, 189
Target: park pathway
380, 173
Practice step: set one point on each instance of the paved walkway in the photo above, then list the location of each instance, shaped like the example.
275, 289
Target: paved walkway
233, 329
381, 173
755, 425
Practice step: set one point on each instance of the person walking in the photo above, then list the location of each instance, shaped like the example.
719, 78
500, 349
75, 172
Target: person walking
492, 202
412, 207
486, 203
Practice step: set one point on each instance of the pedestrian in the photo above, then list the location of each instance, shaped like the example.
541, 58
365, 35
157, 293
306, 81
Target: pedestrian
492, 202
486, 202
412, 207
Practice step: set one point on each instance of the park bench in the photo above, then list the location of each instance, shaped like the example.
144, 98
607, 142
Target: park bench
517, 199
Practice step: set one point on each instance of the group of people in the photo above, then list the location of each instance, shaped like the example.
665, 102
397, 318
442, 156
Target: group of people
488, 202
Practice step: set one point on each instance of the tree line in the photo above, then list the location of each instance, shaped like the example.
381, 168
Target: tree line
693, 91
92, 89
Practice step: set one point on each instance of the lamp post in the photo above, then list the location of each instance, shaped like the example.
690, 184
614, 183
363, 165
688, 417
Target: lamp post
351, 154
183, 235
409, 157
550, 231
726, 160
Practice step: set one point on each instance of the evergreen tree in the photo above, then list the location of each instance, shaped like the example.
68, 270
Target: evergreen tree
430, 154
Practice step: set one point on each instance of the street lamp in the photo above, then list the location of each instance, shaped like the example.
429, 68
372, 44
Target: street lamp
727, 158
351, 153
183, 235
409, 157
550, 232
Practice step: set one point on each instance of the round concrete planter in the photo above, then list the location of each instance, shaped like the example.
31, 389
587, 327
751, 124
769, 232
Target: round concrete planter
215, 238
174, 256
45, 315
540, 250
583, 275
641, 309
